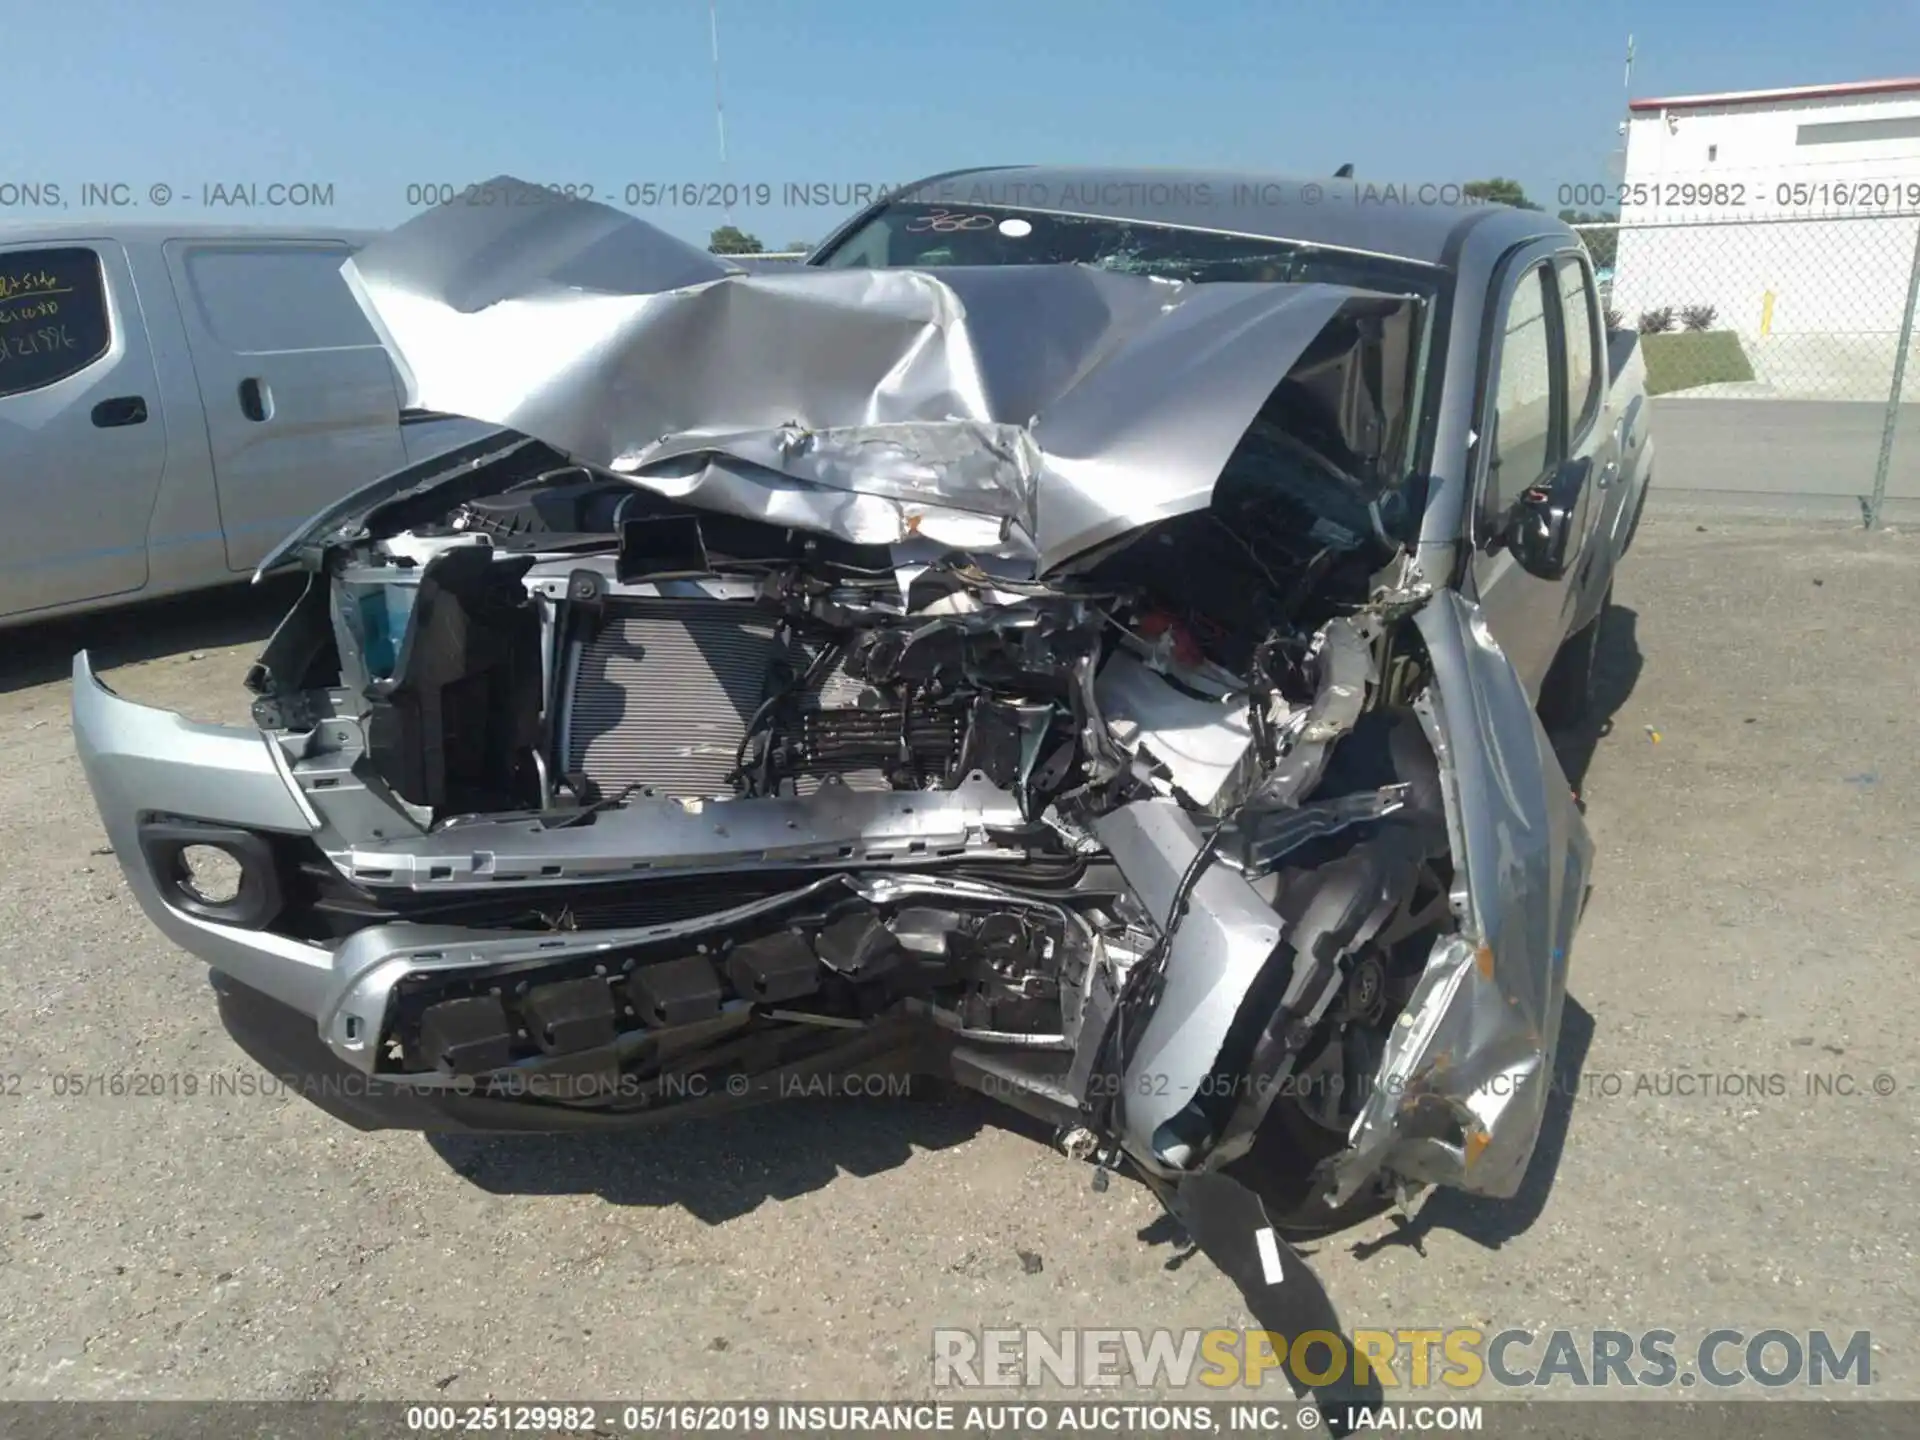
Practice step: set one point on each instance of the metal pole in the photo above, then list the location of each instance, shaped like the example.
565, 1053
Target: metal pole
1879, 497
719, 110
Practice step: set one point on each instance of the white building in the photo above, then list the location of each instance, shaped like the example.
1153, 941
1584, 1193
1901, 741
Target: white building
1793, 213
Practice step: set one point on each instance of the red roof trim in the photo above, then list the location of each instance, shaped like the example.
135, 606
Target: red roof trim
1793, 92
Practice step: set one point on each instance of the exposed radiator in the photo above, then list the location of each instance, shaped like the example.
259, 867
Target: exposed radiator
663, 693
838, 693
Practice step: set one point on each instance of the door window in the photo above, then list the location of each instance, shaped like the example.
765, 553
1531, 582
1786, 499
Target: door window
54, 320
1582, 331
261, 299
1522, 443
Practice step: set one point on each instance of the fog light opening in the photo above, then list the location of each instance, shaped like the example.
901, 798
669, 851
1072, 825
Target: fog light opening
216, 872
210, 875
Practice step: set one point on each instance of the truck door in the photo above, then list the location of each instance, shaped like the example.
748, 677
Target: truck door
1597, 421
1541, 388
82, 442
302, 401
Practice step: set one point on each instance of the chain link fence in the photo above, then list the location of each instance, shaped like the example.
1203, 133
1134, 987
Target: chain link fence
1800, 328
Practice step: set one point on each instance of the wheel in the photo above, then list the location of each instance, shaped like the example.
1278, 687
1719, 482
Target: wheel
1279, 1169
1639, 508
1567, 693
1311, 1121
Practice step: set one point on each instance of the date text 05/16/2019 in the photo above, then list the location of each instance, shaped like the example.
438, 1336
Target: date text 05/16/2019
657, 194
1895, 194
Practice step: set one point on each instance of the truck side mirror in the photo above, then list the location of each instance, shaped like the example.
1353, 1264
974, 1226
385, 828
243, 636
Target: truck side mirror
1541, 526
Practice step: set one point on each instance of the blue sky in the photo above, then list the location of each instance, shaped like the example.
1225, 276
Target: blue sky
372, 98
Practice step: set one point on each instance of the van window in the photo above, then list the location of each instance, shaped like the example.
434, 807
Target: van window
54, 320
262, 298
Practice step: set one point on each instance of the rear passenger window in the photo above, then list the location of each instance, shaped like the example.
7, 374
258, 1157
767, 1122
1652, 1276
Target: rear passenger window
54, 320
1582, 330
258, 299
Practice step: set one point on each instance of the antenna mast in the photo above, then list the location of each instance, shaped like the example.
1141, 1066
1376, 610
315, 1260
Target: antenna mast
719, 109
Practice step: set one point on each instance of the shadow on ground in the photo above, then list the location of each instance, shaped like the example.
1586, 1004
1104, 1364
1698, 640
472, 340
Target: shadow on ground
37, 654
1616, 670
720, 1168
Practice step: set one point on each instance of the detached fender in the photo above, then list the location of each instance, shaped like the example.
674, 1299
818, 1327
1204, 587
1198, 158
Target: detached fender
1463, 1086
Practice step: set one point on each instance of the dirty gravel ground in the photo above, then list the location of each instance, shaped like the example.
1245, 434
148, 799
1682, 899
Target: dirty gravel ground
1756, 913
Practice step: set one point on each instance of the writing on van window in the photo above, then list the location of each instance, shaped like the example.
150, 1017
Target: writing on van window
54, 318
28, 283
25, 344
24, 313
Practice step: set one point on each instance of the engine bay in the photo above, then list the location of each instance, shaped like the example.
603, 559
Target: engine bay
815, 785
696, 655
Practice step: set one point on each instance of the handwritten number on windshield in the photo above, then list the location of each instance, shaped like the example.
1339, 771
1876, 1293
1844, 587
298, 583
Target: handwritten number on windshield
942, 222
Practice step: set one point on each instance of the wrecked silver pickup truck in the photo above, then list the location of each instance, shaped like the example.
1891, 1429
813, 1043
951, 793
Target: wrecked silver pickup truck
1090, 657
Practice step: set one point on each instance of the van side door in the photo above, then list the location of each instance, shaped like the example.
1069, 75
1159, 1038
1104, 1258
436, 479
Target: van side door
82, 440
302, 401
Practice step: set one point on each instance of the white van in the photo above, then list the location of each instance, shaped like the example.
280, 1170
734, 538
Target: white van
175, 399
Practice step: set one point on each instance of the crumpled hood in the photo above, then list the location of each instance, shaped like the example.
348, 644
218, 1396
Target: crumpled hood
1033, 409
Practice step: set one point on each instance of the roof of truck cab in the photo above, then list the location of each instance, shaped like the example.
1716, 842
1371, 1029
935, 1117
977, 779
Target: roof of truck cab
1423, 221
151, 232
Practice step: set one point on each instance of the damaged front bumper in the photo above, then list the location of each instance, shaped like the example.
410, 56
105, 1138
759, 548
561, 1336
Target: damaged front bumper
166, 785
1457, 1099
149, 768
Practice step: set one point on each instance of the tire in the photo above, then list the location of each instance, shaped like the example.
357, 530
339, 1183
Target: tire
1279, 1169
1639, 509
1566, 695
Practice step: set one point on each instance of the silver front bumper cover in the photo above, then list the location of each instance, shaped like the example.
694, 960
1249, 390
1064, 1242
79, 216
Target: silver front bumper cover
141, 762
144, 763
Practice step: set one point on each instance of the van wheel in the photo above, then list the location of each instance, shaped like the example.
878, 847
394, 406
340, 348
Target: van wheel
1566, 695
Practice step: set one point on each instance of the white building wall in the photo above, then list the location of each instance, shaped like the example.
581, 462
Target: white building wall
1794, 219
